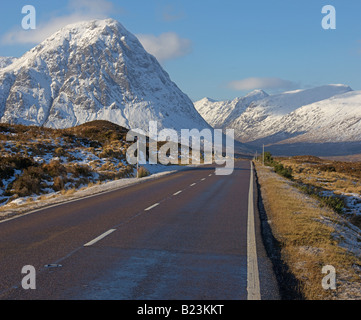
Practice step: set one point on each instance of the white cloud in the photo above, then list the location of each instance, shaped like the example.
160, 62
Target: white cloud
81, 10
167, 46
262, 83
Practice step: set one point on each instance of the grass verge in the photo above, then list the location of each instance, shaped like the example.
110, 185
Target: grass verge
311, 237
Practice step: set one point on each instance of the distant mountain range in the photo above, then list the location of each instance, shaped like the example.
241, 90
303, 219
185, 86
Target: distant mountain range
95, 70
322, 121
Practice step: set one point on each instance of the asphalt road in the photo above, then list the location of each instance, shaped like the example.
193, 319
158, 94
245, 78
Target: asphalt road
185, 236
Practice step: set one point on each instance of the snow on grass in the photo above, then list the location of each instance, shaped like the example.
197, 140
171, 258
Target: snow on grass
352, 201
23, 205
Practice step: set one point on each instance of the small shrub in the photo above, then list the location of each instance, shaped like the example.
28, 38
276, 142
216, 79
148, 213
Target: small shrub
29, 182
143, 172
58, 184
9, 164
328, 168
54, 169
283, 171
286, 172
80, 170
335, 203
59, 152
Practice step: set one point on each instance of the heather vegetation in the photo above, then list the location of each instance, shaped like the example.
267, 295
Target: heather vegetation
336, 184
278, 166
37, 160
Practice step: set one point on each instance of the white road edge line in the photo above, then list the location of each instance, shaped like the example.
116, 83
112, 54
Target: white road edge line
61, 203
152, 207
253, 284
193, 184
99, 238
177, 193
203, 179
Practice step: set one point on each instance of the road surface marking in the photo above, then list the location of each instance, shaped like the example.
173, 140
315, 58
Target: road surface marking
46, 207
193, 184
177, 193
253, 285
152, 207
99, 238
210, 175
203, 179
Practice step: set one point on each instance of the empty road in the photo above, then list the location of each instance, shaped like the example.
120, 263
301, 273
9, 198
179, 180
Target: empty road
191, 235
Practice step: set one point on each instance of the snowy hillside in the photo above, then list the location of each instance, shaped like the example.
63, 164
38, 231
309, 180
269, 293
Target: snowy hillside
215, 112
93, 70
265, 118
329, 114
6, 61
284, 103
220, 113
336, 119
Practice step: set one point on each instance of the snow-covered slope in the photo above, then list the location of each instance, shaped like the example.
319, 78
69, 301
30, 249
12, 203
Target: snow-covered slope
337, 119
265, 118
94, 70
220, 113
6, 61
284, 103
270, 117
215, 112
323, 120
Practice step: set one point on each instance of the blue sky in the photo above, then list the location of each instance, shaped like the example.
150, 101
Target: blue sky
219, 49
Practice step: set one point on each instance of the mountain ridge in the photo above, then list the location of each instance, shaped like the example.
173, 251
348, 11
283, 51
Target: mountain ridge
298, 122
93, 70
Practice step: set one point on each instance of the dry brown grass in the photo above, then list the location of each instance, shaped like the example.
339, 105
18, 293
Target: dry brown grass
68, 192
143, 172
341, 177
307, 243
26, 152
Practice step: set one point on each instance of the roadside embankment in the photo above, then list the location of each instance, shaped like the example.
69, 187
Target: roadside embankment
311, 237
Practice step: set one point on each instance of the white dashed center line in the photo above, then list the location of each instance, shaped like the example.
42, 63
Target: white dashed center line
99, 238
152, 207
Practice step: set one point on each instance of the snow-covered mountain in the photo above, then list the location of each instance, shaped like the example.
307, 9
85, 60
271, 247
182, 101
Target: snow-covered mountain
6, 61
337, 119
220, 113
94, 70
317, 118
265, 118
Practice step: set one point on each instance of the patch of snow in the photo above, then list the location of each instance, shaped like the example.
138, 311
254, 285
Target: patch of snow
52, 198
